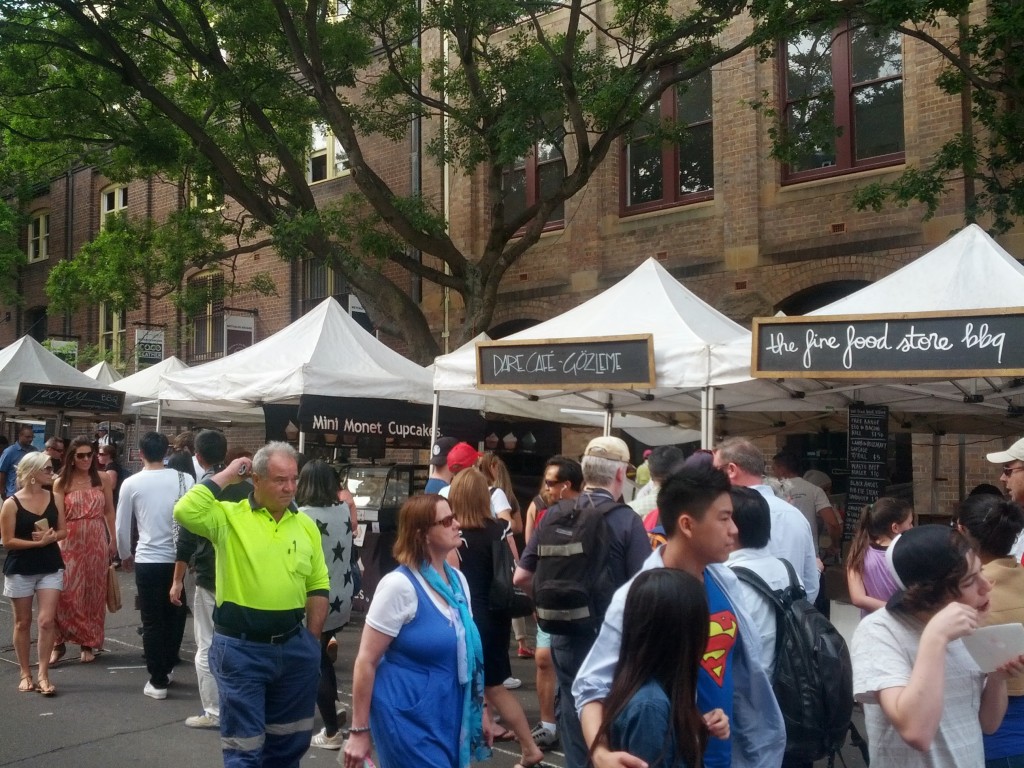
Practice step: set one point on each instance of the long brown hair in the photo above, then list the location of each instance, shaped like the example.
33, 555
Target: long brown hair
470, 499
876, 520
664, 636
496, 472
68, 467
414, 520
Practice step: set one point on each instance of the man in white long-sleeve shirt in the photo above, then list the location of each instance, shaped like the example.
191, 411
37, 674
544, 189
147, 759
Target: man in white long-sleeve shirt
791, 537
149, 497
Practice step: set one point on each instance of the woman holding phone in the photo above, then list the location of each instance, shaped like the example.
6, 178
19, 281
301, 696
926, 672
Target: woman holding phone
31, 524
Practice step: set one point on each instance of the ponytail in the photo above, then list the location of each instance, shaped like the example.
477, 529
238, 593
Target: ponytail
876, 520
993, 522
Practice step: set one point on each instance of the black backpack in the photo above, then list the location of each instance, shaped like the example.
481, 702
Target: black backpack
813, 678
571, 585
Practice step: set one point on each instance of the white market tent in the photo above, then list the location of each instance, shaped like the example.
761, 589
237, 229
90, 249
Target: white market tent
104, 373
325, 352
970, 271
27, 361
699, 354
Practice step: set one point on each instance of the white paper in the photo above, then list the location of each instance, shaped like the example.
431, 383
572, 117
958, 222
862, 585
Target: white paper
991, 647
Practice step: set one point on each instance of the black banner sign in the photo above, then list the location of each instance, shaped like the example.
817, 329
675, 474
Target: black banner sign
924, 345
345, 421
608, 362
69, 398
868, 451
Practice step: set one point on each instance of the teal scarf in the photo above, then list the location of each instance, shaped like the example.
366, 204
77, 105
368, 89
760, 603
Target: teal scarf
471, 665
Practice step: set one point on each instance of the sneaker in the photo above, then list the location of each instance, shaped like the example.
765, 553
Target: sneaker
544, 737
153, 692
204, 720
512, 683
322, 740
332, 650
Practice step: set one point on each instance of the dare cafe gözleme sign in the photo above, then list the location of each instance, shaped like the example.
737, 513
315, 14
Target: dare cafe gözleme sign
907, 345
606, 362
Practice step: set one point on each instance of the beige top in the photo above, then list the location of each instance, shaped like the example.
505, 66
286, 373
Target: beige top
1007, 602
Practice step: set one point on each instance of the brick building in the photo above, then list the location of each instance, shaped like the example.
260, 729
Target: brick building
747, 233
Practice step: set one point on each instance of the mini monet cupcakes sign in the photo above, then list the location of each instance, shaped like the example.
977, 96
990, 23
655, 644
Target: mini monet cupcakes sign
900, 346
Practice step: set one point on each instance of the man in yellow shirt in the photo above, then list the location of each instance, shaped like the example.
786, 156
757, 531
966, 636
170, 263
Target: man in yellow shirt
270, 575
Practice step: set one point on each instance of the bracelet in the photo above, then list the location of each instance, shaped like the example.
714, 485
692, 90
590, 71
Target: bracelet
359, 730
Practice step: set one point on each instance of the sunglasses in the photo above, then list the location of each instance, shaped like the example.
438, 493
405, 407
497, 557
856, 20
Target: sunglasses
550, 483
1007, 471
444, 522
84, 455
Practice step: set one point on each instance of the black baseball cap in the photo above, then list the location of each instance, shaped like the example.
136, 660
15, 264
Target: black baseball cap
439, 453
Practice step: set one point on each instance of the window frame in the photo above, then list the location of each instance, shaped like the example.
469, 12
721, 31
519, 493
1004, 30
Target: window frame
531, 167
120, 202
112, 340
843, 115
670, 154
208, 324
330, 150
38, 245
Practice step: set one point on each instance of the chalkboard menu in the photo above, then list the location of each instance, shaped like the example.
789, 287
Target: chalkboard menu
908, 345
868, 451
69, 398
607, 362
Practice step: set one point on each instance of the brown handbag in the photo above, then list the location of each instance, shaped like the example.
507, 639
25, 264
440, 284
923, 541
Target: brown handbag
113, 591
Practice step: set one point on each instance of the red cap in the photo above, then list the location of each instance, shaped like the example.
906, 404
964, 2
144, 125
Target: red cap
462, 455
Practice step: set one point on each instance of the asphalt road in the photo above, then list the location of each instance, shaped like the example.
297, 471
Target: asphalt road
100, 718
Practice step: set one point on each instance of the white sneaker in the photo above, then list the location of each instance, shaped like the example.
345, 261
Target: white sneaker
544, 737
153, 692
322, 740
204, 720
512, 683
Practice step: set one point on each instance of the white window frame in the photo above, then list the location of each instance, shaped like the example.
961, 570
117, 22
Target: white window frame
113, 199
39, 237
325, 145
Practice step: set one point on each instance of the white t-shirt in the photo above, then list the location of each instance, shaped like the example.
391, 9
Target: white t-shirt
394, 602
884, 648
150, 496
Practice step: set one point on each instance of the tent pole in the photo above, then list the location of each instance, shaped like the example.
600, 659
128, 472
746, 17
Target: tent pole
608, 417
435, 409
302, 441
707, 417
159, 413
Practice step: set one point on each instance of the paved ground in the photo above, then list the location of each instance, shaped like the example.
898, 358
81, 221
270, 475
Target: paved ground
99, 717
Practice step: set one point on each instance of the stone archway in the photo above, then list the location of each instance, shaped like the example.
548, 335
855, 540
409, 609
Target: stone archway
817, 296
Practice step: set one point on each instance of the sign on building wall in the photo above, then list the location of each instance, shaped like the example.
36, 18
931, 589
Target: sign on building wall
239, 332
66, 350
149, 347
906, 345
607, 362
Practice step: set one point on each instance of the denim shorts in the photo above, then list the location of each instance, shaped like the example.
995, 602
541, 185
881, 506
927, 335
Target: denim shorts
20, 585
543, 639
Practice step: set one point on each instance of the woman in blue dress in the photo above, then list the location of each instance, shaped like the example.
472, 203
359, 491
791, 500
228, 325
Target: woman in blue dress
418, 677
651, 710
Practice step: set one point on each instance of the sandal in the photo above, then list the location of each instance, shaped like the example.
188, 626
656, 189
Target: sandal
88, 657
45, 687
57, 654
503, 735
26, 685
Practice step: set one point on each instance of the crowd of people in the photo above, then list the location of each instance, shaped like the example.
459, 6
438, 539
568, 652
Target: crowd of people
651, 645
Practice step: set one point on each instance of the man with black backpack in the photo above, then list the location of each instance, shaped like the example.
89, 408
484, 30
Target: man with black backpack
582, 551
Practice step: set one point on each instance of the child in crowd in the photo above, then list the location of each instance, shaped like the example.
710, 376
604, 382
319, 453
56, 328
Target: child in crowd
867, 574
926, 703
651, 710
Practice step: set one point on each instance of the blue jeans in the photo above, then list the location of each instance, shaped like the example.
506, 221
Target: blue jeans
568, 654
267, 698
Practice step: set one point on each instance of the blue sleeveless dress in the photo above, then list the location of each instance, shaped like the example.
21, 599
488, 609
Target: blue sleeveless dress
416, 708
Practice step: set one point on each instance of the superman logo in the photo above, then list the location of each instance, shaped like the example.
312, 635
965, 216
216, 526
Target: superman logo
721, 639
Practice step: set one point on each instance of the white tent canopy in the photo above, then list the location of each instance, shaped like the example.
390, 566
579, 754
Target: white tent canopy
104, 373
26, 360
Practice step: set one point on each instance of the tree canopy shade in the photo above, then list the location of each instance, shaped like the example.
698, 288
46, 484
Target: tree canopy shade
223, 96
986, 68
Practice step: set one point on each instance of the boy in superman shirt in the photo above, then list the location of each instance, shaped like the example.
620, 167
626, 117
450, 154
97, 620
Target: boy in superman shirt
733, 689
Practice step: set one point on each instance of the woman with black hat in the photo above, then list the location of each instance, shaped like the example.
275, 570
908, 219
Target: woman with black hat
926, 702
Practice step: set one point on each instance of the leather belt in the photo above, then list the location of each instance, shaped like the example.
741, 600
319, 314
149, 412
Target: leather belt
256, 637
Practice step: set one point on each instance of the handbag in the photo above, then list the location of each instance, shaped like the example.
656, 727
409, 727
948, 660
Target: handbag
113, 591
504, 595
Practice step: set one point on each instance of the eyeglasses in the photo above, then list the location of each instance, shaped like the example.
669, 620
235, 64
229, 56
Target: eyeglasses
81, 456
444, 522
1007, 471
